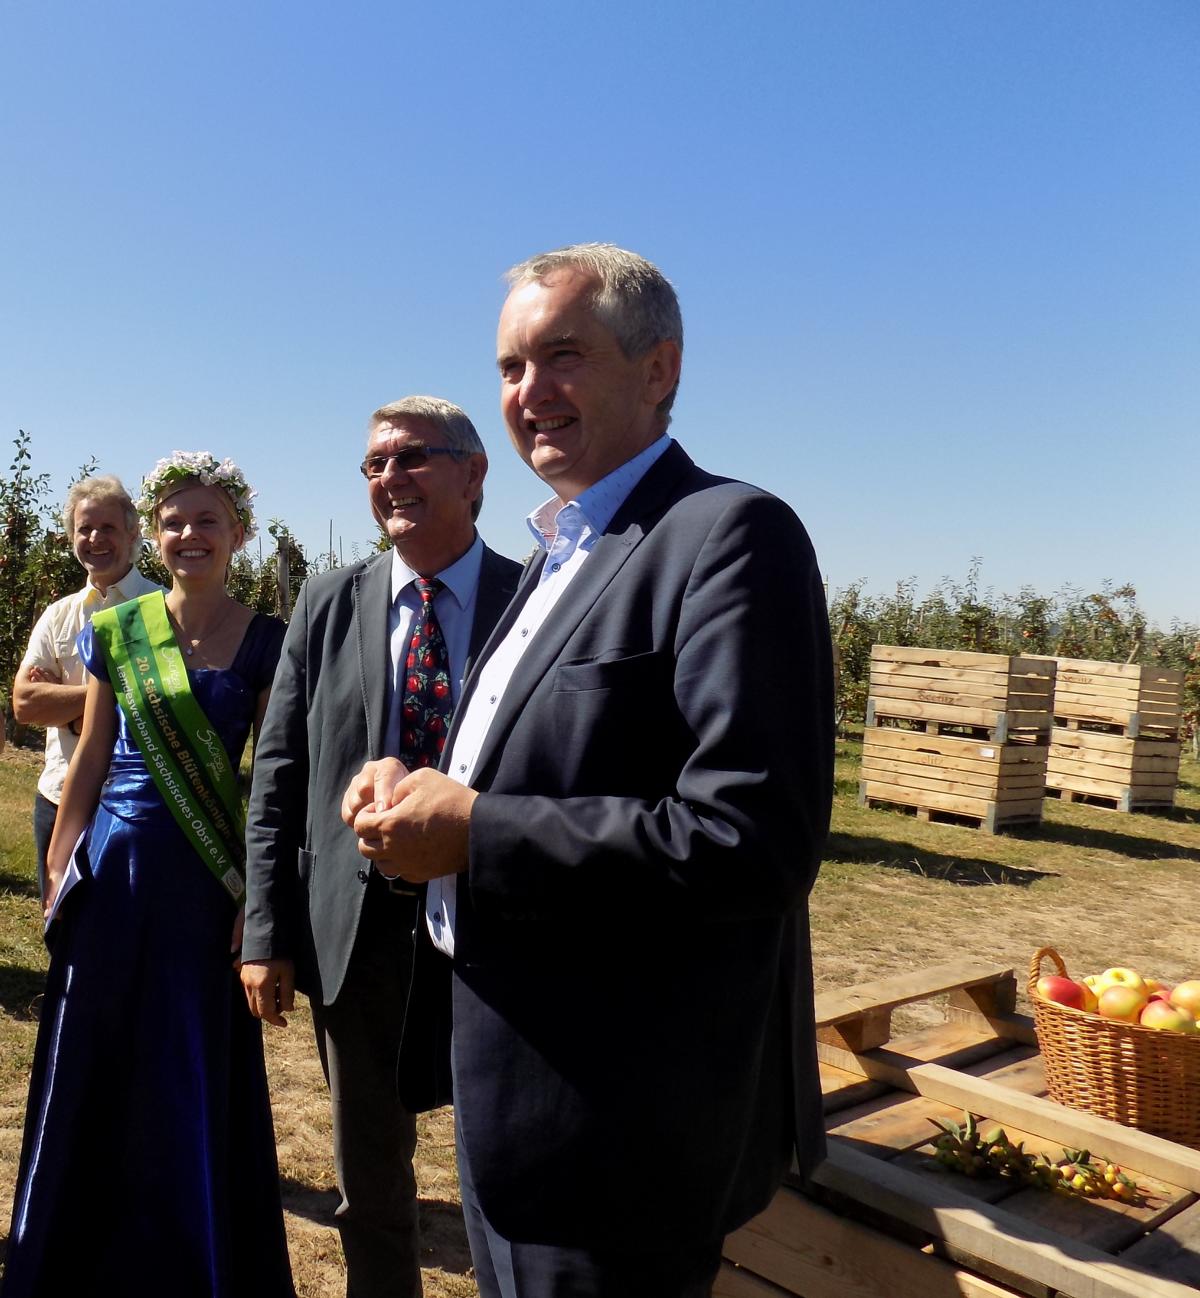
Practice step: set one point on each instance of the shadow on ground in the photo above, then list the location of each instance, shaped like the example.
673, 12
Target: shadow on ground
443, 1234
21, 990
1104, 840
20, 885
964, 870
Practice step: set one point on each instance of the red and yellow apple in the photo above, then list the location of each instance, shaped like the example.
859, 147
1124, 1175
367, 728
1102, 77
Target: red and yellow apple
1122, 1001
1063, 991
1165, 1016
1186, 996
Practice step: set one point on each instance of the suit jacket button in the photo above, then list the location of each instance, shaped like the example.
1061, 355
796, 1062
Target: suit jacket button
363, 876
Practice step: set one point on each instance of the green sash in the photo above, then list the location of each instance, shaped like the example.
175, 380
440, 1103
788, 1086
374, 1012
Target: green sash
183, 752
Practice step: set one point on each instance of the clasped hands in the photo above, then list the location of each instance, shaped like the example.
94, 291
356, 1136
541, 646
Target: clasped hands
412, 825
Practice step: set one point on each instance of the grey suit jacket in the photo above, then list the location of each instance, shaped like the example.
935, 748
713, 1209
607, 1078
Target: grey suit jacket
327, 715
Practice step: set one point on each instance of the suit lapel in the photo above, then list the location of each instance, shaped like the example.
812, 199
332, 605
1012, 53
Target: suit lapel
372, 599
497, 584
647, 500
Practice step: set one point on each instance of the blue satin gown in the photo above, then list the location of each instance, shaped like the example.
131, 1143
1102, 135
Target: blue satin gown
148, 1165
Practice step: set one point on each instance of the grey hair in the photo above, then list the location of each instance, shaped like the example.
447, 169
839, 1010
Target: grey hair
633, 297
450, 420
103, 487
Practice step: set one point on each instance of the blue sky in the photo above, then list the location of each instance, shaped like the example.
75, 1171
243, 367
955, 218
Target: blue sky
939, 262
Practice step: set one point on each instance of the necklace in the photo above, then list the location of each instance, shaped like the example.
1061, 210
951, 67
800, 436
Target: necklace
194, 642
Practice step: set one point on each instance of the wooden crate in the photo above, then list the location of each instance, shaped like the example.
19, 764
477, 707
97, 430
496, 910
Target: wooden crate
1119, 698
877, 1221
1129, 774
952, 691
993, 784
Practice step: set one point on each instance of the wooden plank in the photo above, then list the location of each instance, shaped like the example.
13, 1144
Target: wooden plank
1147, 786
952, 804
986, 1231
1032, 762
808, 1250
887, 758
1173, 1250
960, 716
886, 1126
1116, 775
939, 657
1106, 1224
902, 989
957, 698
1093, 740
1099, 668
988, 785
1021, 1070
884, 738
733, 1282
1163, 1159
1131, 761
952, 1044
1012, 1027
902, 671
841, 1090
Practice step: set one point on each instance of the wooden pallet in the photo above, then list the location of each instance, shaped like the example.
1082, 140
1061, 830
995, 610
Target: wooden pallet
955, 807
1113, 770
937, 687
1127, 800
877, 1221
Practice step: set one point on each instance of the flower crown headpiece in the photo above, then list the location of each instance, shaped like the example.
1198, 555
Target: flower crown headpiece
201, 466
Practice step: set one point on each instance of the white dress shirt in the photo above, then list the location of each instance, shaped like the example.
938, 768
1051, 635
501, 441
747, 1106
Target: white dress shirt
567, 533
454, 606
52, 648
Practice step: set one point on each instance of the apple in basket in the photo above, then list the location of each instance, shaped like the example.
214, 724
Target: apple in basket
1164, 1015
1159, 991
1186, 996
1120, 977
1122, 1002
1063, 991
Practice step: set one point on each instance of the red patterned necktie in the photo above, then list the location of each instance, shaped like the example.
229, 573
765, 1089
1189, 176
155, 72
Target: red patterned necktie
426, 704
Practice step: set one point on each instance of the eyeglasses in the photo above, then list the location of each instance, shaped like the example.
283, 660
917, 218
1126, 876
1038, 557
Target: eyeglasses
411, 457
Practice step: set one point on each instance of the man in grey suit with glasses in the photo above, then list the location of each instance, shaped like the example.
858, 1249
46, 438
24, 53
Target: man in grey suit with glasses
353, 684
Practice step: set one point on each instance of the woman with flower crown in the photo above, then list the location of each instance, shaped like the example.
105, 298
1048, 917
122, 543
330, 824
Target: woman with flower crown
148, 1165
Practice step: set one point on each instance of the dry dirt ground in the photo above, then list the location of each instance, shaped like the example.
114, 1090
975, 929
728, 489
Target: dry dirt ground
894, 894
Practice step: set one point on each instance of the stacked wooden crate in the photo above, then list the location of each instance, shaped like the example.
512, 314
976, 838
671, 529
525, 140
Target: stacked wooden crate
1116, 734
958, 734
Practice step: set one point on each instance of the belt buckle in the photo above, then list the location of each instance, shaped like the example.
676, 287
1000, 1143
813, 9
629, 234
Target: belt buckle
398, 886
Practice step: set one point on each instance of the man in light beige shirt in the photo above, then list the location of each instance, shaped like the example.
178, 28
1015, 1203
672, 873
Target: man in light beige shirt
50, 685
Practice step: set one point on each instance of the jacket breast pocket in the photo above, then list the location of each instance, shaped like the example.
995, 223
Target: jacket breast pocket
629, 672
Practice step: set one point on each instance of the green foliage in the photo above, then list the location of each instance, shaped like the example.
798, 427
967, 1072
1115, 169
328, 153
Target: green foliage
1106, 625
36, 562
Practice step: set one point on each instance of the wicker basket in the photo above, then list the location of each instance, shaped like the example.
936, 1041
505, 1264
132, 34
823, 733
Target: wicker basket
1140, 1077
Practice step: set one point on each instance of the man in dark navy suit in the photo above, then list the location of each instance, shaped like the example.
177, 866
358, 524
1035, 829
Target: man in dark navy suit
626, 825
317, 916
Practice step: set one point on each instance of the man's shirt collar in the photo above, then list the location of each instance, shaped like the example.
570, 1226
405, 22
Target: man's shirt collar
460, 578
127, 587
596, 507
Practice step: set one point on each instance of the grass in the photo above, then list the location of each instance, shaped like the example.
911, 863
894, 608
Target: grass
895, 894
